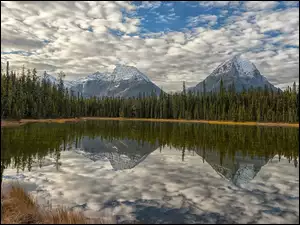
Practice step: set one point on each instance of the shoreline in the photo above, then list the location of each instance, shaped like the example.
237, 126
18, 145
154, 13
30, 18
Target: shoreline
13, 123
19, 206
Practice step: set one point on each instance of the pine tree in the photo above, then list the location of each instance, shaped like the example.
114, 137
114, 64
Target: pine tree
25, 96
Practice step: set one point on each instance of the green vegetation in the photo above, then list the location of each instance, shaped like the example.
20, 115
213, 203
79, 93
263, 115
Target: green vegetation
24, 96
29, 144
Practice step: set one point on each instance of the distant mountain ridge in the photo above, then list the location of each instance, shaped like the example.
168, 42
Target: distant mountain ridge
128, 81
238, 71
124, 81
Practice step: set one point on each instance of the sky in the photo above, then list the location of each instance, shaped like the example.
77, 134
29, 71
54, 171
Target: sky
170, 42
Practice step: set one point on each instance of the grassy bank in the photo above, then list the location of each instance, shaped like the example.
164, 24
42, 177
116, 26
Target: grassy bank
18, 207
12, 123
8, 123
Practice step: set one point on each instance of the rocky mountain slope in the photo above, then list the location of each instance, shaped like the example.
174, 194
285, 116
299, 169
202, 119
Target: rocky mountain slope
125, 81
238, 71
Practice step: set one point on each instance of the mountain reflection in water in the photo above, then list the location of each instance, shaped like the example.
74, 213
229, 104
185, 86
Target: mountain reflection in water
159, 172
126, 154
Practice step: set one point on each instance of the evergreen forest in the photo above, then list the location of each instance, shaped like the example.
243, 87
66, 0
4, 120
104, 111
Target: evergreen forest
24, 95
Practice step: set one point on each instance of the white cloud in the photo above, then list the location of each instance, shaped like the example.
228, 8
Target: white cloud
214, 3
167, 58
284, 21
169, 4
149, 5
261, 5
291, 3
209, 19
169, 18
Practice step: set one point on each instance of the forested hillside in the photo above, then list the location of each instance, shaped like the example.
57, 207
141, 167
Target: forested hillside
25, 95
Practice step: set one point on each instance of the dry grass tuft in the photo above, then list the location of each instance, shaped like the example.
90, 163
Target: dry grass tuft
18, 207
63, 216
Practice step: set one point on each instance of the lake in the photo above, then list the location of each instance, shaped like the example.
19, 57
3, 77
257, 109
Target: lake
158, 172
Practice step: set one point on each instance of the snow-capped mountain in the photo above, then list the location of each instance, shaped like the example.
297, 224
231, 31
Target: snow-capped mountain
49, 78
54, 80
95, 84
122, 73
238, 71
125, 81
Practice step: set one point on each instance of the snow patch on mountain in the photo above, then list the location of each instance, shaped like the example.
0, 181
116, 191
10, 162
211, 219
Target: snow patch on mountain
125, 81
244, 67
52, 79
95, 76
222, 68
99, 76
49, 78
123, 72
238, 71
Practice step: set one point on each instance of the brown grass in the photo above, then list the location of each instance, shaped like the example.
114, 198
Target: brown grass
24, 121
11, 123
197, 121
18, 207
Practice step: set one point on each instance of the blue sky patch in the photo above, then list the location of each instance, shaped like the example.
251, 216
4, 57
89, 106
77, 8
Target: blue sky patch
169, 41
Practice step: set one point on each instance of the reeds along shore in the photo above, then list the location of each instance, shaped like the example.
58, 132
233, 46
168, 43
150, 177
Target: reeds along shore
11, 123
18, 207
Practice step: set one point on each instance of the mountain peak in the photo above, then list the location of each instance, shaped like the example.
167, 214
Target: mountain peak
243, 66
125, 81
237, 70
124, 72
237, 56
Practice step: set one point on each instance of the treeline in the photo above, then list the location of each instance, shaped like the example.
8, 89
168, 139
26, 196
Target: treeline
225, 142
25, 95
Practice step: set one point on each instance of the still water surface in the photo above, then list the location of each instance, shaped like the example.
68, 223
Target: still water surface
158, 172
